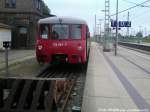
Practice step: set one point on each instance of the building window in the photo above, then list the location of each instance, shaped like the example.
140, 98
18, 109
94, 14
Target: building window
10, 3
23, 30
38, 4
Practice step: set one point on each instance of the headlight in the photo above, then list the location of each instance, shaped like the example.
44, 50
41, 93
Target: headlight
40, 47
79, 48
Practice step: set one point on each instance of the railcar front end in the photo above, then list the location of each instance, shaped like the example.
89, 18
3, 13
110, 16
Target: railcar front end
62, 42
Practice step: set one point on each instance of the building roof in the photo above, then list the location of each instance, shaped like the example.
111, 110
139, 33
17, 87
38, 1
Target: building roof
5, 26
63, 20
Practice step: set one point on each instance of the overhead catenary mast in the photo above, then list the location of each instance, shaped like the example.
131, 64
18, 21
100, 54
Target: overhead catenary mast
106, 26
116, 38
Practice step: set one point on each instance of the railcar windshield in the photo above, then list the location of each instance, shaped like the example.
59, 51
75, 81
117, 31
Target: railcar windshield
76, 32
60, 31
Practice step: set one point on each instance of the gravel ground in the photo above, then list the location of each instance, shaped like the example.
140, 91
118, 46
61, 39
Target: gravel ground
76, 97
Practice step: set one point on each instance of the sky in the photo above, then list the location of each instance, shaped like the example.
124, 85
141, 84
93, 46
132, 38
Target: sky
87, 9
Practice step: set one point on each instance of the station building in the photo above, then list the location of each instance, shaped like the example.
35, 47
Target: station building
23, 16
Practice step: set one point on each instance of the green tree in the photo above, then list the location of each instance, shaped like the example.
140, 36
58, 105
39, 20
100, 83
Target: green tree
139, 34
139, 37
45, 10
119, 35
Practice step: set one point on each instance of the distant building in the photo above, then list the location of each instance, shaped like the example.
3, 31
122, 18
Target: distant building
23, 16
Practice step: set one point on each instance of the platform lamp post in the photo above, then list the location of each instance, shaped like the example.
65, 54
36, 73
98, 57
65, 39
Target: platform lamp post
116, 39
104, 37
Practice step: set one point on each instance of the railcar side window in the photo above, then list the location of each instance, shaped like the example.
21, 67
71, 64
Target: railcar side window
76, 31
44, 31
60, 31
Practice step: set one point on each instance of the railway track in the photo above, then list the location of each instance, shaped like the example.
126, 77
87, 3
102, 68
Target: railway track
49, 91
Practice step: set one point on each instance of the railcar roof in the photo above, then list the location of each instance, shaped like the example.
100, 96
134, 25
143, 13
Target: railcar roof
63, 20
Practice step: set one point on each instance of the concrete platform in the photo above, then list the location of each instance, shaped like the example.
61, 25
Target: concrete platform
16, 56
117, 84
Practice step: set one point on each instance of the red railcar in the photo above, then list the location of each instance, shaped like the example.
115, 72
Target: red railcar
62, 39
